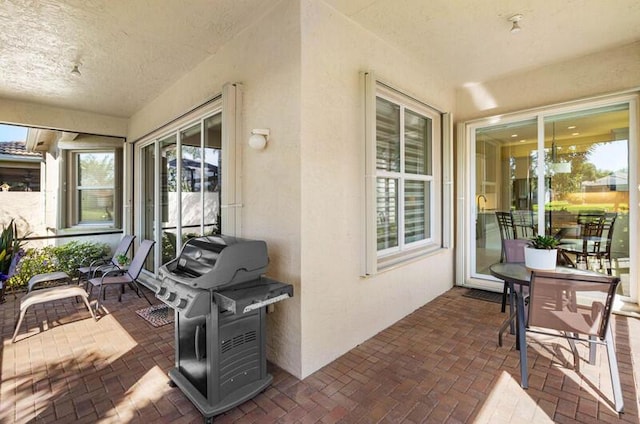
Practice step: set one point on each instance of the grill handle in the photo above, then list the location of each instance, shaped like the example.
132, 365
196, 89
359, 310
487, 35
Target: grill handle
197, 343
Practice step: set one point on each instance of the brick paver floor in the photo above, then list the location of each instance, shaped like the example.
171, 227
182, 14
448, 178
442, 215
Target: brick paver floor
439, 364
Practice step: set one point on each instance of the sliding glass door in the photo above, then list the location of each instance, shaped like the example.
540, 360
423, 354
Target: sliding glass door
181, 187
545, 173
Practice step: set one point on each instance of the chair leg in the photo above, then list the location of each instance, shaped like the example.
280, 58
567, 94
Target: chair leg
15, 332
505, 289
574, 350
508, 322
522, 339
613, 370
86, 302
138, 291
100, 292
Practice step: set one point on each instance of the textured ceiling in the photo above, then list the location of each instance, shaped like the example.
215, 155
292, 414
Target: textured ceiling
132, 50
470, 40
129, 50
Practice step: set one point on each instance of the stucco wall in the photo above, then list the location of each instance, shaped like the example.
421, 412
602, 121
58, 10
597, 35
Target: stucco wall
339, 308
30, 114
265, 59
599, 73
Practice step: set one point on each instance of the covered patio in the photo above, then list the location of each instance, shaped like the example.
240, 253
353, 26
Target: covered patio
439, 364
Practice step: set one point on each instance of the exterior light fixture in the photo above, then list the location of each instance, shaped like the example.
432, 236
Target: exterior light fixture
259, 138
515, 19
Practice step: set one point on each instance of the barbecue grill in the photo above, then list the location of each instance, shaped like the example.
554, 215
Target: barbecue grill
219, 294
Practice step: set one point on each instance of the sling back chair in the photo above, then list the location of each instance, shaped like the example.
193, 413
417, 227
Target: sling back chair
102, 265
121, 277
574, 306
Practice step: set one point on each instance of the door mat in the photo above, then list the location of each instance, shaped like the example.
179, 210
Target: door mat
157, 315
489, 296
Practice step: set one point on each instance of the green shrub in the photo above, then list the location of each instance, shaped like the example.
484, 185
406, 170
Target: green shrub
68, 258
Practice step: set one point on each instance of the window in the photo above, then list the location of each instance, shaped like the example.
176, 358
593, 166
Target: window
93, 187
95, 190
403, 167
185, 190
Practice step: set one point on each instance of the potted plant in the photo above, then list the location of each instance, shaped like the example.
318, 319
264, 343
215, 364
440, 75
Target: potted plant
541, 253
122, 259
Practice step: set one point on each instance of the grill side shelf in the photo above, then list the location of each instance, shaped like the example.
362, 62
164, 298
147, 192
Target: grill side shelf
247, 299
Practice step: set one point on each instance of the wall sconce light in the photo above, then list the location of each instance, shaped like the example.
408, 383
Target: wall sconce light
259, 138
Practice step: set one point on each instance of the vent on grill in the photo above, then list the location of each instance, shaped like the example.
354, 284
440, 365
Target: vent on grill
238, 340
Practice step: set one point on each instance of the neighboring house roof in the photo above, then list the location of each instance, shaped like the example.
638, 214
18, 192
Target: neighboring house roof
18, 150
618, 181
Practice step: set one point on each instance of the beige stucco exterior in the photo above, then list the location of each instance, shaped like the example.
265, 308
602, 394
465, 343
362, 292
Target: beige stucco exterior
300, 70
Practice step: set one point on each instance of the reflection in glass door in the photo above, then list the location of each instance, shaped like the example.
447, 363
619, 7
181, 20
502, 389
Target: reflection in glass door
587, 178
212, 159
190, 183
181, 187
505, 181
585, 171
149, 196
169, 205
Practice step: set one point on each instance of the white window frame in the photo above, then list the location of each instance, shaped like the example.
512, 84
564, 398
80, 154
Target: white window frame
78, 188
229, 104
465, 259
375, 260
72, 188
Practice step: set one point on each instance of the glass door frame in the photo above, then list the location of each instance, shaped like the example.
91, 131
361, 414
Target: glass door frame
229, 105
466, 164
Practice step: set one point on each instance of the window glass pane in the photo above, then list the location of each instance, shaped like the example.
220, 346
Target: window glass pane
416, 211
148, 194
95, 187
96, 205
95, 169
417, 144
212, 158
191, 183
168, 198
387, 135
387, 212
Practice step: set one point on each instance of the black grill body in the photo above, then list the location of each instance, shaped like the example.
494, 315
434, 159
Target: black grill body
220, 321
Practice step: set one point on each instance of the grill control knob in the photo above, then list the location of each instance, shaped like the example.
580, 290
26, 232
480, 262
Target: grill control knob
171, 297
182, 303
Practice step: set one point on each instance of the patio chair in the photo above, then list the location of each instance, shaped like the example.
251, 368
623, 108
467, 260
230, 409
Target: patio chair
572, 305
589, 241
121, 277
102, 265
514, 252
505, 225
604, 252
49, 295
523, 224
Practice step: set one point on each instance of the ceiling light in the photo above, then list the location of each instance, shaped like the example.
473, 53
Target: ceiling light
76, 71
515, 19
571, 127
514, 135
575, 133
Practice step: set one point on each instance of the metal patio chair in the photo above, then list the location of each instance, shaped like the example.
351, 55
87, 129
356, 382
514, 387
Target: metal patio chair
123, 276
102, 265
571, 305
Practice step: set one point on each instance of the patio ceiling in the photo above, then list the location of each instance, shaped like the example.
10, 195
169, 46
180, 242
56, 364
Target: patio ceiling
130, 51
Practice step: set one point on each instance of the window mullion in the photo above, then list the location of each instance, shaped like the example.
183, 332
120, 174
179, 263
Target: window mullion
401, 178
